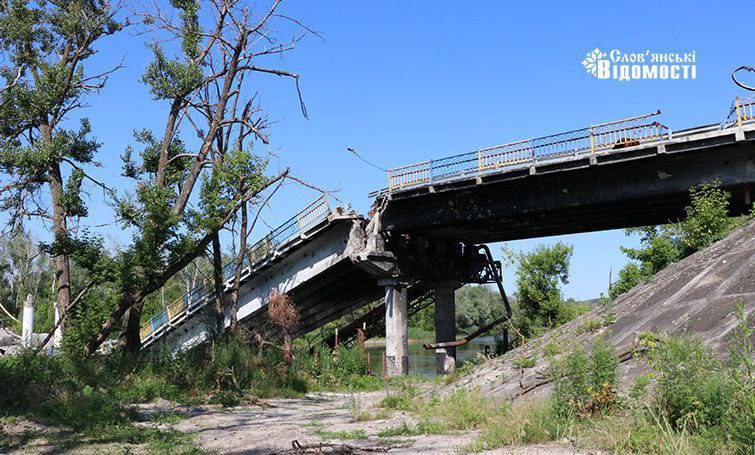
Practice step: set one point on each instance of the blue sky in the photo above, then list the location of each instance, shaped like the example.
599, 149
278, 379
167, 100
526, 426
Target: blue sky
407, 81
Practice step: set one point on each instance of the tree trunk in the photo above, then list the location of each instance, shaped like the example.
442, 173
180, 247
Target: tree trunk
60, 231
287, 347
217, 275
239, 267
153, 285
130, 337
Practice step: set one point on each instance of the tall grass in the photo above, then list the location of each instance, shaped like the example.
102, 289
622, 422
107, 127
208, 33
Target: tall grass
92, 396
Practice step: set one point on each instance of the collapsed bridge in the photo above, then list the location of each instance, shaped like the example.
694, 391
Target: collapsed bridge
425, 236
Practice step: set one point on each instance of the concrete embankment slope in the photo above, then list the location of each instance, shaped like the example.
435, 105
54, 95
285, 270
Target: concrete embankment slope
698, 295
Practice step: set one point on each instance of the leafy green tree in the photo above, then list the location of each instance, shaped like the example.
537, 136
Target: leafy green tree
476, 306
707, 217
186, 190
539, 277
44, 78
25, 269
706, 221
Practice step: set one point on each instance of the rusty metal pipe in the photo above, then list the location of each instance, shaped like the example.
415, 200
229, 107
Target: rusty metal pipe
468, 338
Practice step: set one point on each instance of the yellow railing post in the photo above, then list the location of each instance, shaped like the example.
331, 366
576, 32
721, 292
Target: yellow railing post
592, 141
479, 162
739, 114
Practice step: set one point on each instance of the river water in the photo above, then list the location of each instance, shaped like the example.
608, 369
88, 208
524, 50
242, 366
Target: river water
422, 361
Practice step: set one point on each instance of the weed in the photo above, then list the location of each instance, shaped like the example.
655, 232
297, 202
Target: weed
525, 362
344, 435
590, 325
528, 423
585, 385
403, 429
551, 349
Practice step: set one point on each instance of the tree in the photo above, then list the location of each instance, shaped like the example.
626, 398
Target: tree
538, 278
706, 221
477, 306
25, 269
45, 47
706, 217
202, 84
285, 314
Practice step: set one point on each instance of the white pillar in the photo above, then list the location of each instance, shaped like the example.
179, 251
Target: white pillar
396, 329
27, 322
57, 337
445, 327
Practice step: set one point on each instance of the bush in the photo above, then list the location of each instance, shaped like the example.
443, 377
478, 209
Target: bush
706, 221
707, 217
692, 392
740, 423
529, 423
585, 385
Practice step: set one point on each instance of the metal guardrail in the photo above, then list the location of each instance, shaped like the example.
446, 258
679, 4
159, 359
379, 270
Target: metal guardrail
597, 138
203, 293
742, 110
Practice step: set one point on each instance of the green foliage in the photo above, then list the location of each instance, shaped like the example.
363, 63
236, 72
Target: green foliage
539, 301
551, 348
528, 423
707, 217
585, 384
171, 79
24, 270
476, 306
692, 390
462, 409
706, 221
524, 362
344, 435
589, 325
740, 424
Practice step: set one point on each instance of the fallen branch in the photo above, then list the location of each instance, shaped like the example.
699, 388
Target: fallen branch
324, 447
63, 316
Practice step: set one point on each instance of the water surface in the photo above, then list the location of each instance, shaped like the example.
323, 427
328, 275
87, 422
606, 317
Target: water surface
422, 361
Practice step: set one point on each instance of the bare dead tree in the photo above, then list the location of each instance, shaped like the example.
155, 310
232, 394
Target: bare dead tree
284, 313
222, 47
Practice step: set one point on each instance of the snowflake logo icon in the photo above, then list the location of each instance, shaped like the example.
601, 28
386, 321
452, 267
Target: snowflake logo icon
591, 61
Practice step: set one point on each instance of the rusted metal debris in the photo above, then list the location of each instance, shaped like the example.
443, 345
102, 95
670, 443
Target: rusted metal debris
336, 449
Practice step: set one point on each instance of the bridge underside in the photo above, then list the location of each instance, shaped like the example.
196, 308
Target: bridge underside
343, 289
638, 188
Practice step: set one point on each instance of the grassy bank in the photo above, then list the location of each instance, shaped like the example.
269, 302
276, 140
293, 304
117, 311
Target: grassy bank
691, 402
89, 399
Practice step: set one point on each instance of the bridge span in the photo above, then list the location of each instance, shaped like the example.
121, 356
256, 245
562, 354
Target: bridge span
423, 238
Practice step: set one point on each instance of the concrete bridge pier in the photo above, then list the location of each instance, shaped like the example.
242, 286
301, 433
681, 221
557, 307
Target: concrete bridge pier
445, 326
396, 328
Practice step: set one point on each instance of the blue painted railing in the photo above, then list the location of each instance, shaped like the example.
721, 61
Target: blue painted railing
256, 254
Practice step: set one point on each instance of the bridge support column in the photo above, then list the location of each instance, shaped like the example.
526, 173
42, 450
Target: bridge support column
445, 327
396, 329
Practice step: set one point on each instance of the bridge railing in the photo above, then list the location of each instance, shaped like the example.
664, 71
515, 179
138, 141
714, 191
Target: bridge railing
256, 254
742, 110
594, 139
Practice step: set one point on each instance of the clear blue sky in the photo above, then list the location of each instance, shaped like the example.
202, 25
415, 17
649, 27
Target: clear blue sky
407, 81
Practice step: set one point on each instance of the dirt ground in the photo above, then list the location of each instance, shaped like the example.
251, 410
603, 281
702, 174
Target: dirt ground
274, 426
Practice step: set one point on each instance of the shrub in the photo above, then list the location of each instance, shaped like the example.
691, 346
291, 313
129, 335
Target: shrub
585, 385
707, 217
529, 423
692, 392
740, 423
